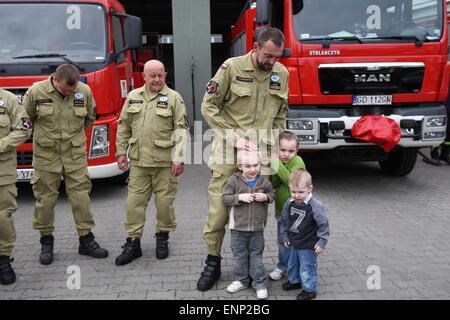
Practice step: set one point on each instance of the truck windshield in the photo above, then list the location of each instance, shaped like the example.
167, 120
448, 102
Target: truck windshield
38, 30
369, 20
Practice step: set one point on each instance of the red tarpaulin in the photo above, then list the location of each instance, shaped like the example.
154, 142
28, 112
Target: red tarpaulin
382, 131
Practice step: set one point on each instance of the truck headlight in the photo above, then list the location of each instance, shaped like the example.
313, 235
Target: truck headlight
99, 142
435, 121
300, 125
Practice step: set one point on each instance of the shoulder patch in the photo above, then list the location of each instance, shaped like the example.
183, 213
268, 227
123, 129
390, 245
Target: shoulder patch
27, 123
212, 87
224, 66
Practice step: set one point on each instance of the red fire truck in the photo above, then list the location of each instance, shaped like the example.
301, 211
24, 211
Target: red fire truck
352, 58
95, 35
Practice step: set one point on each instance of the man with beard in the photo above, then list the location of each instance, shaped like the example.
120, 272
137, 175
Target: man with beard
246, 97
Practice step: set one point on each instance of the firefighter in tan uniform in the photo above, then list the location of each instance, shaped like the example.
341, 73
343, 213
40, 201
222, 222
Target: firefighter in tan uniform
62, 109
15, 128
153, 124
245, 99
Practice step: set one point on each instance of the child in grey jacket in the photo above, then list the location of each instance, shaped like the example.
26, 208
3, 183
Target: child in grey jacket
247, 193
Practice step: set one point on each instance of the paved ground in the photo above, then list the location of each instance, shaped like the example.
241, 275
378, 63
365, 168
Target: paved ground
399, 225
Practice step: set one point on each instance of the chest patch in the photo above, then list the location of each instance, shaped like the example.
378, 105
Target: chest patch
2, 110
136, 101
238, 78
161, 104
275, 82
78, 102
43, 101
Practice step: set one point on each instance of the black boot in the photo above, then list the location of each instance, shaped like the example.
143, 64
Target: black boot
162, 245
7, 274
131, 251
210, 273
46, 256
89, 247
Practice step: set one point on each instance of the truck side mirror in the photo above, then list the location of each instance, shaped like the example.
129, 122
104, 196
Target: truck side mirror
297, 6
262, 12
133, 32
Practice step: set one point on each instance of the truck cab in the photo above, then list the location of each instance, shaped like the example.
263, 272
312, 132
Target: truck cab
97, 36
354, 58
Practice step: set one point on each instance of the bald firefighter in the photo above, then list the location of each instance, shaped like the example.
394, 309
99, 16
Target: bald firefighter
153, 125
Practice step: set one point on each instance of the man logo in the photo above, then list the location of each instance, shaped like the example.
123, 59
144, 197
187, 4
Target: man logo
373, 77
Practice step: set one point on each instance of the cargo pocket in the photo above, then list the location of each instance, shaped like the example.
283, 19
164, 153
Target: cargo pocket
164, 121
44, 148
243, 93
273, 103
79, 147
134, 114
163, 150
133, 152
45, 114
77, 121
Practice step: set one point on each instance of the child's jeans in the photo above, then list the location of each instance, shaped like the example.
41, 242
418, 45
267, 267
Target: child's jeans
247, 248
302, 268
283, 252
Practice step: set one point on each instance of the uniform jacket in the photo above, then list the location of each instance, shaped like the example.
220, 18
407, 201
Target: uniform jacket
280, 180
15, 128
242, 97
247, 216
154, 126
59, 138
305, 224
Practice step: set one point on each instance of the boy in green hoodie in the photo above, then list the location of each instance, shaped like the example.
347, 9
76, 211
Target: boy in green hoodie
284, 163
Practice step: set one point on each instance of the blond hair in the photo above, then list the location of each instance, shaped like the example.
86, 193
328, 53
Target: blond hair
300, 178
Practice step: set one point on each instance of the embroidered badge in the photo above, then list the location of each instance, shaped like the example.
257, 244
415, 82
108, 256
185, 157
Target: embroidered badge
224, 66
212, 87
163, 99
78, 95
161, 104
2, 103
244, 79
43, 101
27, 123
2, 110
135, 101
275, 78
78, 103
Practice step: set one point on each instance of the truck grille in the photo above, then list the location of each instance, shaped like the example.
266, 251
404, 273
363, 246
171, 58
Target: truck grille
371, 78
24, 158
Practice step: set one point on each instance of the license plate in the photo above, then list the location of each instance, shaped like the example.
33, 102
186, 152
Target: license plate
371, 100
24, 174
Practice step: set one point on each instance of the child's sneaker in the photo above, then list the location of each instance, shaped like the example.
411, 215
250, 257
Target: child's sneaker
235, 287
262, 294
277, 274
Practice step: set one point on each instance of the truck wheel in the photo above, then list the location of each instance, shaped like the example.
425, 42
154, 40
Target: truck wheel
400, 162
121, 179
